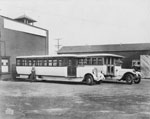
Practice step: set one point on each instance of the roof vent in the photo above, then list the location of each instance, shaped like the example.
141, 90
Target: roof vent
25, 19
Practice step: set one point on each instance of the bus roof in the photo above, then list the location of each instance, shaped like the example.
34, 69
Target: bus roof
72, 55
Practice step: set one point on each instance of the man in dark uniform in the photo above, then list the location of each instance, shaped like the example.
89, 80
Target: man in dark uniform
33, 75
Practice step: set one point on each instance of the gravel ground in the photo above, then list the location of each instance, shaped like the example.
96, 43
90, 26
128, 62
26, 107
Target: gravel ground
64, 100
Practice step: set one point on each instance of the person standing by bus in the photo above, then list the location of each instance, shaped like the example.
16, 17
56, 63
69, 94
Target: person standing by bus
33, 74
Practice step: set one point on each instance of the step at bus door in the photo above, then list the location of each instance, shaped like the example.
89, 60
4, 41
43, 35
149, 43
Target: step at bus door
71, 68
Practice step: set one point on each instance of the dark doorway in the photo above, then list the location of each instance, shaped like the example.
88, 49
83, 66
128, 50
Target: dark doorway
71, 67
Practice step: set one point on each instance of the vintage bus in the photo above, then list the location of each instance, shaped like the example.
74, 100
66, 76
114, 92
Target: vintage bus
88, 68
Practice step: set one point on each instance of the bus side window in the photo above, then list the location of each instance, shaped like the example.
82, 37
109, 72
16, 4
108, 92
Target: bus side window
109, 60
106, 60
49, 62
88, 61
39, 62
34, 62
100, 61
93, 61
85, 61
112, 61
45, 62
60, 62
25, 62
81, 61
69, 62
29, 62
54, 62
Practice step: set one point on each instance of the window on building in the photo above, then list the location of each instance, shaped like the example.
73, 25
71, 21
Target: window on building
5, 65
136, 63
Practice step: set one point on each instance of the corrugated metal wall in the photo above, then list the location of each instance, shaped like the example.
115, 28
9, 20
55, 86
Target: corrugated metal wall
145, 66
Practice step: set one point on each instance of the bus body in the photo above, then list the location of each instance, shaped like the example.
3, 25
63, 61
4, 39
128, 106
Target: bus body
88, 68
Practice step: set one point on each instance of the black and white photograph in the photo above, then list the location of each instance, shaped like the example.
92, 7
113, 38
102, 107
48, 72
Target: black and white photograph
74, 59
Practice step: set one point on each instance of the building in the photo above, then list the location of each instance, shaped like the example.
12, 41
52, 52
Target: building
131, 52
19, 37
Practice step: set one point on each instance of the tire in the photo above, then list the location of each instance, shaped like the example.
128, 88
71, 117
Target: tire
89, 80
99, 82
137, 80
129, 78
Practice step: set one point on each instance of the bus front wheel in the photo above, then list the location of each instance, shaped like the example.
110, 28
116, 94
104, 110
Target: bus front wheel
129, 78
137, 80
89, 80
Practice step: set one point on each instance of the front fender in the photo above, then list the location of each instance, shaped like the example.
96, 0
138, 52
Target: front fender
130, 72
138, 74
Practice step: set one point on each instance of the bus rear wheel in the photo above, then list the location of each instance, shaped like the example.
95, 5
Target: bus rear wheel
89, 80
129, 78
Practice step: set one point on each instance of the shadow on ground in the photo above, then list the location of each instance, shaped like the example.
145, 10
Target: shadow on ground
69, 82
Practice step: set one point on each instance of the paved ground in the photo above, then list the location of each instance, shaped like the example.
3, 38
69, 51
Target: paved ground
55, 100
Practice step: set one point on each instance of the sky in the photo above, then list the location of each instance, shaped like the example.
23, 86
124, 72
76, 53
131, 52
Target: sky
86, 22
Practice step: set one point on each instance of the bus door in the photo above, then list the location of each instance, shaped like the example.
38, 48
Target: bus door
110, 66
71, 67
